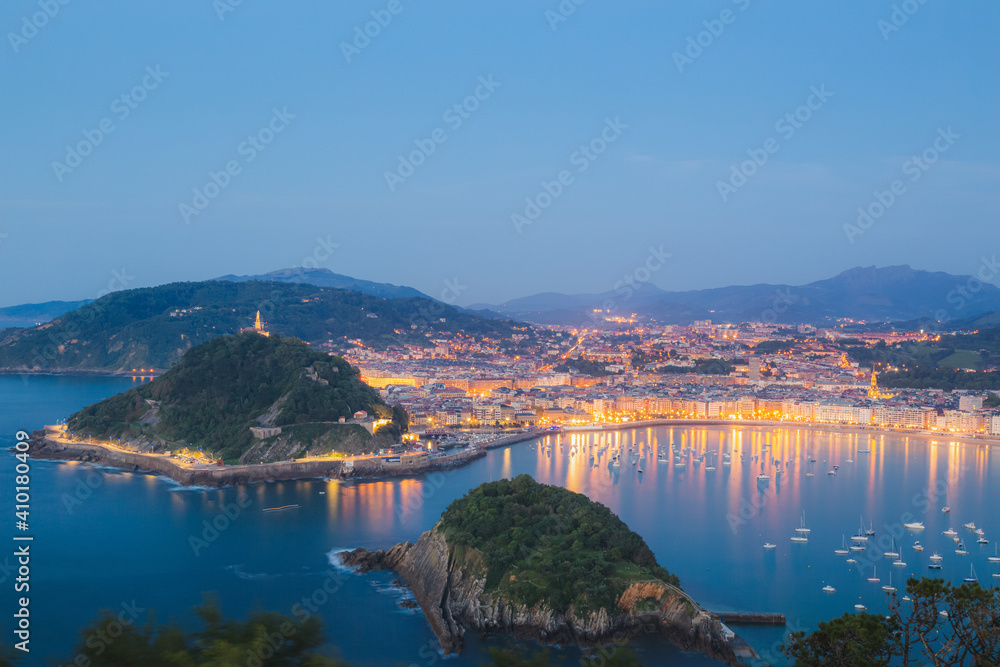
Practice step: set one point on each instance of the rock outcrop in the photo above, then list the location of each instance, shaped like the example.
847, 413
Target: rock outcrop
453, 599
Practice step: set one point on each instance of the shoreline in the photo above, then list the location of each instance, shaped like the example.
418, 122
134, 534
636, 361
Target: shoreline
45, 446
81, 373
970, 438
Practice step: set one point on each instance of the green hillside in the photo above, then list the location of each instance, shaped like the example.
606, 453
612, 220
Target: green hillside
218, 390
153, 327
544, 543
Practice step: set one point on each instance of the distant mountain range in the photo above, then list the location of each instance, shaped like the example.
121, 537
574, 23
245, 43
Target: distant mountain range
896, 294
30, 314
861, 293
327, 278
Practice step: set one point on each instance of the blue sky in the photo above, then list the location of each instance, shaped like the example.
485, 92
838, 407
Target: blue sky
318, 192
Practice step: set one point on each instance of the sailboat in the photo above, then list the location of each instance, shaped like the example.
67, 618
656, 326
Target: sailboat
892, 553
802, 527
874, 578
860, 537
971, 579
842, 551
889, 588
995, 558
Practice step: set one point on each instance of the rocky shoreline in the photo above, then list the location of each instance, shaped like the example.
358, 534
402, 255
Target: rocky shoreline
454, 600
42, 446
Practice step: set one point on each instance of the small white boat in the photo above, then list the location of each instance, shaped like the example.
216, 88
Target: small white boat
971, 526
950, 533
858, 547
763, 478
907, 598
851, 561
943, 613
972, 578
889, 588
710, 469
917, 546
916, 525
898, 563
798, 539
945, 510
874, 578
829, 589
768, 545
996, 557
842, 551
934, 566
802, 525
937, 558
982, 540
861, 607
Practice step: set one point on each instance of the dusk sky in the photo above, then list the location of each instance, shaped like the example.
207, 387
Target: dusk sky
331, 113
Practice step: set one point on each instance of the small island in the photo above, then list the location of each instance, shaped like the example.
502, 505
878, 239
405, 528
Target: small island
542, 562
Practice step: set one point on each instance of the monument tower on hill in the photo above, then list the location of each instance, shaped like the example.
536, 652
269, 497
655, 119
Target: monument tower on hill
257, 327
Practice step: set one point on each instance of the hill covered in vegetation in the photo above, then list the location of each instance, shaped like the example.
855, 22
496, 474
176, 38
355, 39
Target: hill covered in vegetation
152, 327
940, 363
220, 389
544, 543
538, 561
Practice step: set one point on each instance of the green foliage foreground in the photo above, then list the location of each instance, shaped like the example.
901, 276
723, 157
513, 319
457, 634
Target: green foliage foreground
265, 639
544, 543
914, 633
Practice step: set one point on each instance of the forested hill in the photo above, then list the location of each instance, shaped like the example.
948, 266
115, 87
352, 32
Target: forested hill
219, 389
543, 543
153, 327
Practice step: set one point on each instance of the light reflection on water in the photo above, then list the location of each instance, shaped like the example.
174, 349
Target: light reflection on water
129, 538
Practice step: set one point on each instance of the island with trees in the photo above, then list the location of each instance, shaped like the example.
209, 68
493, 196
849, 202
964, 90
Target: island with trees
538, 561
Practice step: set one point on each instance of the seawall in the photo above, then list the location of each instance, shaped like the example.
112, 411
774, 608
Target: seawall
43, 446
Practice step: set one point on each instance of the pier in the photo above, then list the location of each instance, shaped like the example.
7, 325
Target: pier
744, 618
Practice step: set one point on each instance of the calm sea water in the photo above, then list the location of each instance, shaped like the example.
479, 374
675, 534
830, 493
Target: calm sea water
104, 538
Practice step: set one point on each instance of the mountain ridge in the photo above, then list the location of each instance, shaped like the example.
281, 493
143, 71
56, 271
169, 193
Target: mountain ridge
862, 293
